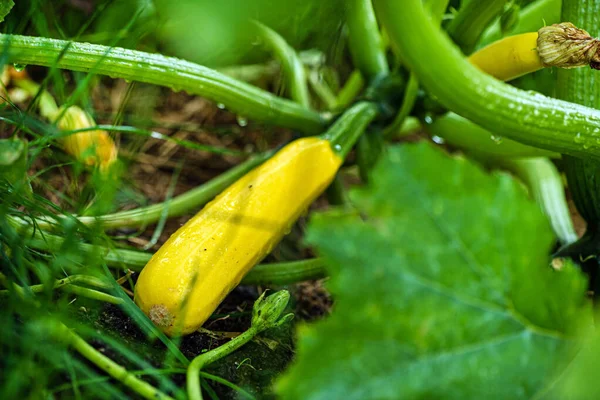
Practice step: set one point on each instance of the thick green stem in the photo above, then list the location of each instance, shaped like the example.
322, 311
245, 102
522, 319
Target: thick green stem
410, 96
348, 128
539, 174
62, 333
283, 273
500, 108
351, 89
366, 46
293, 69
471, 20
69, 280
546, 187
267, 313
92, 294
157, 69
531, 18
198, 363
178, 205
462, 133
582, 86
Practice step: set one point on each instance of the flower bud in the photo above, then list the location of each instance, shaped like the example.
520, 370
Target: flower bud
267, 311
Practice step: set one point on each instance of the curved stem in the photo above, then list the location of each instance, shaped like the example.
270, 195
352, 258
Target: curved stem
157, 69
350, 90
293, 69
176, 206
282, 273
347, 129
504, 110
546, 186
531, 18
471, 20
538, 173
582, 86
193, 371
410, 95
364, 40
69, 280
92, 294
462, 133
66, 335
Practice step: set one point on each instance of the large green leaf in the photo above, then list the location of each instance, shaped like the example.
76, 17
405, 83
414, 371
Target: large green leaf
442, 288
5, 7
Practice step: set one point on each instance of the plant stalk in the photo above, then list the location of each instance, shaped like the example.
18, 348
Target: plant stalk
366, 46
157, 69
502, 109
66, 335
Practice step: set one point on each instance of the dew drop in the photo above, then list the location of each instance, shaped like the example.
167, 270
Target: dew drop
241, 121
337, 147
428, 119
578, 138
220, 106
19, 67
496, 139
586, 146
438, 139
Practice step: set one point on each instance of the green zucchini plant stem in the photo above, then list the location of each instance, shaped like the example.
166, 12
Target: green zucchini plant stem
157, 69
266, 314
348, 129
68, 284
500, 108
282, 273
61, 333
462, 133
176, 206
350, 90
582, 86
472, 19
92, 294
529, 163
437, 8
364, 40
536, 14
291, 65
546, 187
69, 280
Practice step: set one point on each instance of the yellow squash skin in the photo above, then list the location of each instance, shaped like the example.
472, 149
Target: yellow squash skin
509, 58
208, 256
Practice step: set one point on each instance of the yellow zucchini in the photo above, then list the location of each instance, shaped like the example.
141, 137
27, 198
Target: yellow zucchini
206, 258
559, 45
94, 147
510, 57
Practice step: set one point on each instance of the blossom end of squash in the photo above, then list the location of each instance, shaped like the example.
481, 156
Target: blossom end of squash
160, 316
566, 46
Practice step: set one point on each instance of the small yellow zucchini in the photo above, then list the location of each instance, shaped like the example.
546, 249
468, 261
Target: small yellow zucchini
510, 57
94, 147
559, 45
189, 276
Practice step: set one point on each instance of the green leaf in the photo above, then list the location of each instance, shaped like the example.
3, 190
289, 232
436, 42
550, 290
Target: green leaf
578, 381
5, 7
442, 289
